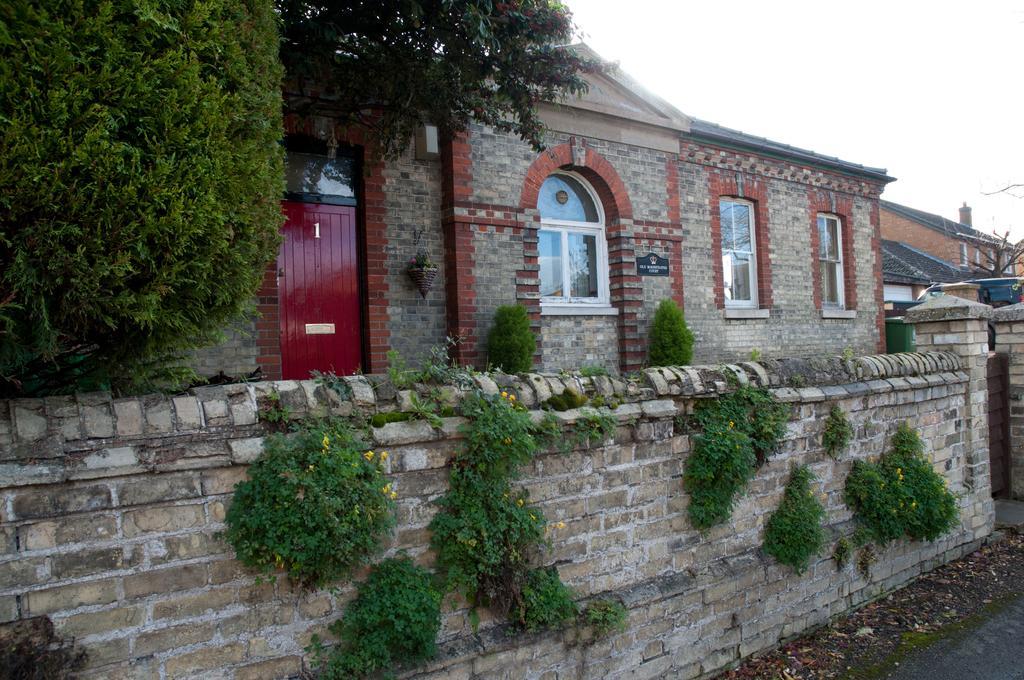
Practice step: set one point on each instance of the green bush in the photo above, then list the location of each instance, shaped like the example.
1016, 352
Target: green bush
511, 344
671, 340
140, 183
794, 533
605, 616
901, 494
838, 432
392, 622
546, 601
568, 399
721, 464
753, 411
315, 504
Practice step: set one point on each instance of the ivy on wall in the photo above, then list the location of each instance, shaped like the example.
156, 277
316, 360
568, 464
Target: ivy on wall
737, 431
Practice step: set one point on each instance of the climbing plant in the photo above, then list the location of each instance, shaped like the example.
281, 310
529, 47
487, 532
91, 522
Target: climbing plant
901, 494
794, 533
486, 531
736, 431
316, 505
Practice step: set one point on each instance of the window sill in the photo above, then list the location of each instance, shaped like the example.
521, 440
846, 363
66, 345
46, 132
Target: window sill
839, 314
744, 313
555, 309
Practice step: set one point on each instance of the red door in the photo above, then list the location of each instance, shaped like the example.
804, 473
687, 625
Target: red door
318, 286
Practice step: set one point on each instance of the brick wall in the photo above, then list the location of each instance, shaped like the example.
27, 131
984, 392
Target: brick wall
236, 355
111, 510
898, 228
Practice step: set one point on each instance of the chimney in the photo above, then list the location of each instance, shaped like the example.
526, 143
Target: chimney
965, 215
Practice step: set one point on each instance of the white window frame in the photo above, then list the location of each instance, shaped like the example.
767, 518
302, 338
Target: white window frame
840, 280
752, 303
567, 304
963, 254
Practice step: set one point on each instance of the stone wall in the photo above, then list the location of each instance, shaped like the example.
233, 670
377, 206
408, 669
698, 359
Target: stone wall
111, 510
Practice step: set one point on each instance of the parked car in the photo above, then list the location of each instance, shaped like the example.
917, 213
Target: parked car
993, 292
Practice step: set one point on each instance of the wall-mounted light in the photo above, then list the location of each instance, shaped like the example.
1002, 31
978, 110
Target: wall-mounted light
427, 146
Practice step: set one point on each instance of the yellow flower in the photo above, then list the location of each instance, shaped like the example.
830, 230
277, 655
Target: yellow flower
560, 525
386, 488
508, 441
913, 504
368, 455
533, 517
311, 468
511, 397
504, 395
327, 441
394, 495
383, 455
732, 424
519, 502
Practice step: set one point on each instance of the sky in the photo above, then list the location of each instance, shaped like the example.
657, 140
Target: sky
931, 91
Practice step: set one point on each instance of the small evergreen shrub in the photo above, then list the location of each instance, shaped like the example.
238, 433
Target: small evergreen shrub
393, 622
593, 370
794, 533
901, 494
605, 616
546, 601
316, 505
838, 432
511, 344
671, 342
721, 464
140, 184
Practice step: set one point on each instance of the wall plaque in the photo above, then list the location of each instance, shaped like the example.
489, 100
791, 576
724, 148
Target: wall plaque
652, 265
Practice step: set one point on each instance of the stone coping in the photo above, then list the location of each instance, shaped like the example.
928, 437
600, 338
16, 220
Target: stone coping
93, 435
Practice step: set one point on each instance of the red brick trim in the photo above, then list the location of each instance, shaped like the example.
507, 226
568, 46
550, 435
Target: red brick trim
596, 169
755, 191
268, 325
821, 202
876, 248
460, 290
675, 219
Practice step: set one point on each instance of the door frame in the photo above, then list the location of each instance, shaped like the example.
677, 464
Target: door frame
307, 143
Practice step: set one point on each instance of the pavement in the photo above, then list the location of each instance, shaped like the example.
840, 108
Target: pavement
990, 647
993, 649
1009, 513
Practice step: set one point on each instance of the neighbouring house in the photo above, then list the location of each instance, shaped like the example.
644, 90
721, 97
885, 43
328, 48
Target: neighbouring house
908, 271
764, 245
958, 243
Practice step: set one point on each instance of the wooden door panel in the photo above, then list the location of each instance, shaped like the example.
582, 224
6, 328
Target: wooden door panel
319, 290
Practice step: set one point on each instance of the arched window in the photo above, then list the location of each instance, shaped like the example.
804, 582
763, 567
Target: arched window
572, 245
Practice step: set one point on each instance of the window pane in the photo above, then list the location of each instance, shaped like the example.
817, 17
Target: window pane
550, 247
313, 174
830, 283
737, 272
583, 265
563, 198
828, 238
725, 209
741, 227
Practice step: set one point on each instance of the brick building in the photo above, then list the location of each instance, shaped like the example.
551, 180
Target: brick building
764, 245
956, 242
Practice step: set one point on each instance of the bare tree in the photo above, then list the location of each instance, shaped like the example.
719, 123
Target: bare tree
999, 255
1010, 189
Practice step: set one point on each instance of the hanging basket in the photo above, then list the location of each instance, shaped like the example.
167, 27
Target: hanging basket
423, 277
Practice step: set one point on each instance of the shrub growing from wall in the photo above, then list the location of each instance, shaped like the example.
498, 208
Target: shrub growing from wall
671, 341
901, 494
139, 196
794, 534
511, 344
